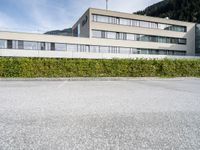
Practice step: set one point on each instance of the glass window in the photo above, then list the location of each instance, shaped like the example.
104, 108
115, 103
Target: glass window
83, 48
102, 19
111, 35
20, 44
153, 25
124, 50
170, 52
162, 52
162, 40
138, 23
14, 44
135, 23
131, 37
9, 44
126, 22
134, 51
94, 49
42, 45
94, 17
114, 49
153, 38
121, 36
96, 34
144, 24
104, 49
52, 46
182, 41
154, 52
30, 45
72, 47
48, 46
179, 53
144, 38
2, 44
174, 41
60, 47
114, 20
144, 51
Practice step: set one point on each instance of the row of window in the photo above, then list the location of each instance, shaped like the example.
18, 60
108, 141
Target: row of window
27, 45
137, 23
137, 37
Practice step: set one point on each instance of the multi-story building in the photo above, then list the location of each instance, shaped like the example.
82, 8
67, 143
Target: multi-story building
110, 34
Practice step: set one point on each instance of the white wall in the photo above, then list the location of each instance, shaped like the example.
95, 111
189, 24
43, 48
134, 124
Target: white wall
64, 54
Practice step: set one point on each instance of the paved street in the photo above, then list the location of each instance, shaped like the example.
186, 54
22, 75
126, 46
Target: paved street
100, 115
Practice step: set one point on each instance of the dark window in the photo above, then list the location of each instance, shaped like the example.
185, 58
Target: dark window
20, 44
52, 46
9, 44
43, 46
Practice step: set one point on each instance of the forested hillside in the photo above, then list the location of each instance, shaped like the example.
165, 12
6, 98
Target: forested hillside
184, 10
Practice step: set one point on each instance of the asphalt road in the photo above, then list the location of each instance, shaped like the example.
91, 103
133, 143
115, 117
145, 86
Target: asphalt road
100, 115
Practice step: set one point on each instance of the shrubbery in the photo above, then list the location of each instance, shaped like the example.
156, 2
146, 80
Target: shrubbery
51, 67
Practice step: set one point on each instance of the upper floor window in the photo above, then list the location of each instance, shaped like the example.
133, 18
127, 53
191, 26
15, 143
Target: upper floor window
137, 37
138, 23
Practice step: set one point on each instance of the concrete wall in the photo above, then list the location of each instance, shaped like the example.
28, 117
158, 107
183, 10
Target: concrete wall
85, 55
84, 24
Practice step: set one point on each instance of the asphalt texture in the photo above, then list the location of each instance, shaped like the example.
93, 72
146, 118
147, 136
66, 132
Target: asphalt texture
162, 114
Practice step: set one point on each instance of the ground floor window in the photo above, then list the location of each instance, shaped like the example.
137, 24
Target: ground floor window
31, 45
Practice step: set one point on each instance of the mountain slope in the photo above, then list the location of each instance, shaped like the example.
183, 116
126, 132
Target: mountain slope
65, 32
184, 10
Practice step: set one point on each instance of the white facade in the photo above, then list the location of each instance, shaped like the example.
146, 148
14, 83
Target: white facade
107, 34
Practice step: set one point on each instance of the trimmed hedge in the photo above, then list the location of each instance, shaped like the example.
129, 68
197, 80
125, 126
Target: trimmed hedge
51, 67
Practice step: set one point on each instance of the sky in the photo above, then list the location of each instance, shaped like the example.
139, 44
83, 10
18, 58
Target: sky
45, 15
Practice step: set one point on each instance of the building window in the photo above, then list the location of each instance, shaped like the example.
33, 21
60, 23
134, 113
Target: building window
131, 37
182, 41
20, 44
94, 49
42, 46
96, 34
2, 44
72, 47
83, 48
114, 49
135, 23
9, 44
102, 19
137, 37
30, 45
27, 45
144, 24
124, 50
104, 49
138, 23
111, 35
121, 36
126, 22
60, 47
52, 46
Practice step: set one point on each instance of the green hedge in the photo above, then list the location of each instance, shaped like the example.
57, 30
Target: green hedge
51, 67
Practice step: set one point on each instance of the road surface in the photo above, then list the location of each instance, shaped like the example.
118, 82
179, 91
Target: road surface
100, 115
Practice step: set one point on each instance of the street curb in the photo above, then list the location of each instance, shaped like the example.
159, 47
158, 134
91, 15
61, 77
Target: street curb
99, 79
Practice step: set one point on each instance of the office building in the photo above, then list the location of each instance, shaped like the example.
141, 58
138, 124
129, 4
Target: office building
111, 34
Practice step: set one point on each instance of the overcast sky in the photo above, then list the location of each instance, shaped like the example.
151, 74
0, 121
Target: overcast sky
44, 15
